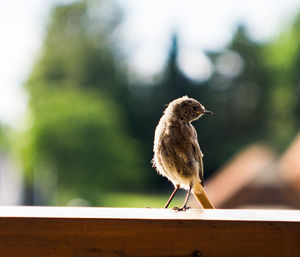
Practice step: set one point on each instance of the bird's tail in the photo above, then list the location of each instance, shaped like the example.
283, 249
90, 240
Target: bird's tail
201, 196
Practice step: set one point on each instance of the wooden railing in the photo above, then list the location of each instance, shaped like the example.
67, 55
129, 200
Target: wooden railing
68, 231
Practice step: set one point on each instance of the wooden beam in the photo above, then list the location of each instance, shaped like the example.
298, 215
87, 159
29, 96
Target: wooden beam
87, 232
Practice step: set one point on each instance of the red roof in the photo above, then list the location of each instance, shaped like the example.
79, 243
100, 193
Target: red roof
238, 172
289, 164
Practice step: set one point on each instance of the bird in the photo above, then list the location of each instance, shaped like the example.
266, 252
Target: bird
177, 155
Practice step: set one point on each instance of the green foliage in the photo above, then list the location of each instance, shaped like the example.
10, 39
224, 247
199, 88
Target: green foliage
4, 142
78, 51
283, 59
78, 136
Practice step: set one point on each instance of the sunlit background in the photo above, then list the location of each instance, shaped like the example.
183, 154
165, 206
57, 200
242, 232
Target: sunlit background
83, 84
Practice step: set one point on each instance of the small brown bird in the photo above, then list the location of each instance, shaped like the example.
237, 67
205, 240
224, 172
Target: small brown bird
177, 154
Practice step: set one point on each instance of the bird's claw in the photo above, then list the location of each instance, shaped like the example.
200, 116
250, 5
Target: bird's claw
184, 208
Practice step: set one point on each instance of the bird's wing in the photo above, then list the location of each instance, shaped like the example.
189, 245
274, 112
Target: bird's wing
187, 156
187, 159
197, 153
198, 157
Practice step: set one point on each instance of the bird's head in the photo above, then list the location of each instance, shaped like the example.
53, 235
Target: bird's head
187, 109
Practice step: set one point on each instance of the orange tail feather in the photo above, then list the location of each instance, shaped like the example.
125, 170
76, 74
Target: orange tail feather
201, 196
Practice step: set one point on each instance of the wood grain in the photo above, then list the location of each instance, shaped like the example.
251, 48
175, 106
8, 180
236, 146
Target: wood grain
59, 231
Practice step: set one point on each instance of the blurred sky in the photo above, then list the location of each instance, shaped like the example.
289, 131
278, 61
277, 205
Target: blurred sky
148, 24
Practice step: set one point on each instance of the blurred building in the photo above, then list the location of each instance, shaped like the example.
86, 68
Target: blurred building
289, 170
256, 178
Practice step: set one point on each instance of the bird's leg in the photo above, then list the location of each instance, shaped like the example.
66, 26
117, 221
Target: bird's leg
184, 207
172, 196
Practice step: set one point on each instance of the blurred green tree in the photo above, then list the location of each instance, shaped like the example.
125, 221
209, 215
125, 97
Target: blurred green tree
4, 143
283, 59
78, 47
237, 92
78, 137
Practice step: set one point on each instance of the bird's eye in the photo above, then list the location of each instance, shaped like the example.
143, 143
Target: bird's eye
195, 108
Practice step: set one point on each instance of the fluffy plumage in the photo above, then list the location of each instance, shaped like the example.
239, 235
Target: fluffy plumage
177, 154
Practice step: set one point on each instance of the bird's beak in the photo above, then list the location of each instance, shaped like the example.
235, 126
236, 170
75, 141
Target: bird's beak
207, 112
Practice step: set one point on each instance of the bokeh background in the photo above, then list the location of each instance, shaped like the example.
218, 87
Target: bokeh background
84, 83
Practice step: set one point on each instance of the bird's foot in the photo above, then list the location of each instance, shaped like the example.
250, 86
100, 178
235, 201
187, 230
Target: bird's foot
184, 208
